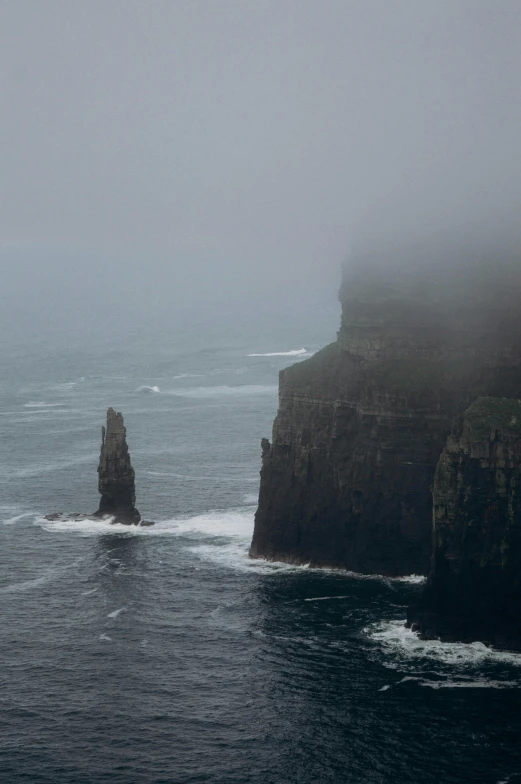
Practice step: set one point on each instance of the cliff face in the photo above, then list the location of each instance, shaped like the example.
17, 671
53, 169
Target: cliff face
116, 476
474, 590
347, 478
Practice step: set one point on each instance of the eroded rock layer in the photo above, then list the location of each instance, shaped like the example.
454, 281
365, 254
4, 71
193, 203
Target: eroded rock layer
474, 590
116, 482
347, 478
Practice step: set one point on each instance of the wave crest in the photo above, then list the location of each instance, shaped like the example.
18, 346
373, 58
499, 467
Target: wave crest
296, 352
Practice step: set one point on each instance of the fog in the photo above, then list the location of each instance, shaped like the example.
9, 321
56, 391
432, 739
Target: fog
161, 158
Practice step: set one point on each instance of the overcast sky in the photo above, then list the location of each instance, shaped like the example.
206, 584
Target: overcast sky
202, 147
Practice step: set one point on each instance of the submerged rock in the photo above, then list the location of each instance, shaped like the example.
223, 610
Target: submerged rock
346, 480
474, 590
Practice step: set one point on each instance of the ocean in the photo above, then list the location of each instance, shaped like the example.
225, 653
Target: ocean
164, 655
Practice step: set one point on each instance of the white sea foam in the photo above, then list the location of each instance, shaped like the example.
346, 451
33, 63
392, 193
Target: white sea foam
324, 598
413, 579
189, 375
402, 645
146, 388
88, 593
90, 527
224, 391
296, 352
46, 467
232, 523
115, 613
460, 682
48, 576
26, 585
235, 526
42, 404
234, 555
202, 478
105, 638
250, 499
16, 518
480, 683
382, 578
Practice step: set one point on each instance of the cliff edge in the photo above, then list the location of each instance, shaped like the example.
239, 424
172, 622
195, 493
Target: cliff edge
346, 480
474, 590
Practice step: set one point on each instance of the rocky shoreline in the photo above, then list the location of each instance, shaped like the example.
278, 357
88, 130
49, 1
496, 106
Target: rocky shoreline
359, 445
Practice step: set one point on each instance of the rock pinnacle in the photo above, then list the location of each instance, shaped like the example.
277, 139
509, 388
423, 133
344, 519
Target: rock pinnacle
116, 482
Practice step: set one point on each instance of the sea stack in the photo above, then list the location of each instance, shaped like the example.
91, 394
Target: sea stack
346, 480
474, 589
116, 482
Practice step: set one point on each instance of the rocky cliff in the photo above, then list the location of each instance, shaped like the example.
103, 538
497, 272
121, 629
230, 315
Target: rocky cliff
474, 590
116, 482
346, 480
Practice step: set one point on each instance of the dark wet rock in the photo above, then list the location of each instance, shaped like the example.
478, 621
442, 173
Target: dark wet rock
116, 476
346, 480
474, 590
116, 479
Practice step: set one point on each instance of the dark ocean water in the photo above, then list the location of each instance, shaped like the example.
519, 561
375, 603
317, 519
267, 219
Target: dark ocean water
163, 655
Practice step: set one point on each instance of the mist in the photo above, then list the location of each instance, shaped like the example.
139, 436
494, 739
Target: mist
165, 161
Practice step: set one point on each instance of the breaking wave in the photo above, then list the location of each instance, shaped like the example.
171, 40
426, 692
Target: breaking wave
220, 537
297, 352
115, 613
42, 404
224, 391
146, 388
467, 663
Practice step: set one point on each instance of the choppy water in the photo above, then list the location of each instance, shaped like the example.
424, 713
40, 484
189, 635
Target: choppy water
162, 655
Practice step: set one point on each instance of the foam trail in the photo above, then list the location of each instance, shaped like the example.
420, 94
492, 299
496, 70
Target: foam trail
27, 585
297, 352
13, 520
405, 646
88, 593
52, 574
105, 638
324, 598
224, 391
42, 405
146, 388
482, 683
115, 613
201, 478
